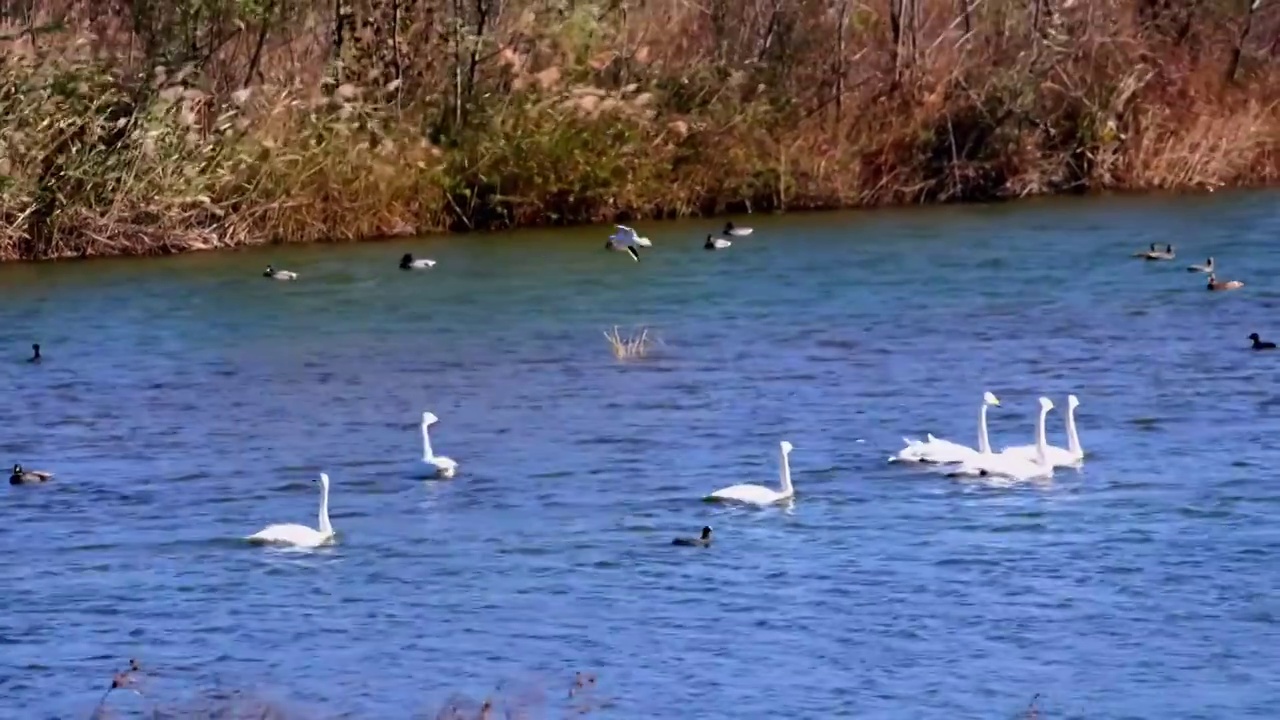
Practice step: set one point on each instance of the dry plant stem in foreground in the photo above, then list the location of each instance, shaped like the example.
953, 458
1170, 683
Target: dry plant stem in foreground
509, 701
147, 128
635, 345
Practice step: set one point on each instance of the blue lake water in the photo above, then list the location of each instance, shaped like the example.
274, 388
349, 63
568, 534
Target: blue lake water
187, 402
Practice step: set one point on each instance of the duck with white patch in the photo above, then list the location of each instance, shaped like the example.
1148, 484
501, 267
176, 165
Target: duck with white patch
275, 274
715, 243
1216, 284
735, 231
1153, 254
408, 263
21, 476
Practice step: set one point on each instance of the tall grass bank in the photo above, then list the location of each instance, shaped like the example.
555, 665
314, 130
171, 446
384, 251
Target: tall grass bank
146, 127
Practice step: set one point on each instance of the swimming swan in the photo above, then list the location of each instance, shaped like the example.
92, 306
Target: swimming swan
1010, 466
275, 274
935, 450
703, 541
1072, 456
408, 263
627, 239
715, 243
731, 229
759, 494
444, 467
300, 535
1214, 284
28, 477
1205, 268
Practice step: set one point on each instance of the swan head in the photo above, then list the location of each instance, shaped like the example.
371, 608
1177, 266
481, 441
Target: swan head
1046, 404
324, 480
786, 446
990, 399
429, 418
1073, 402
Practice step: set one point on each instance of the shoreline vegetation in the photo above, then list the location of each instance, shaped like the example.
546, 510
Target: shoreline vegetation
139, 127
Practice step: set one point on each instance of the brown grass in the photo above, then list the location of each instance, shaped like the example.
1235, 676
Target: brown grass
147, 128
633, 346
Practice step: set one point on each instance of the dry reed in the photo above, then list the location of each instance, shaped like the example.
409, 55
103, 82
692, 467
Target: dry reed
145, 128
508, 700
634, 345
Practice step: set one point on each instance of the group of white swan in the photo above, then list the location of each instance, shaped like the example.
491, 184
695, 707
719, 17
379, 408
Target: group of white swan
628, 240
1019, 462
307, 537
303, 536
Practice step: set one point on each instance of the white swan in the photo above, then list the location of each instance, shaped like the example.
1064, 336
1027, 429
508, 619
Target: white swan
935, 450
1072, 456
275, 274
759, 494
627, 239
1010, 466
731, 229
408, 263
300, 535
444, 467
715, 243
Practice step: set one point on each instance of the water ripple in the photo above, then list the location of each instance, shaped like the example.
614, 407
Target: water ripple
202, 406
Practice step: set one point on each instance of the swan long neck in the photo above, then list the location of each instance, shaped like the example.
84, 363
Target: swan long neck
984, 444
326, 527
1042, 445
1073, 437
785, 473
427, 455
